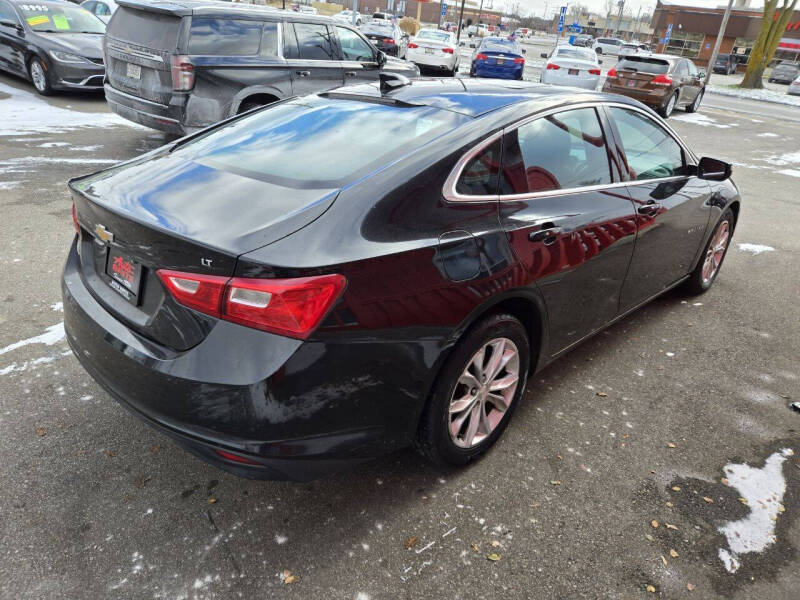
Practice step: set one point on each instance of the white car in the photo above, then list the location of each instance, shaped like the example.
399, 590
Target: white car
794, 88
102, 9
607, 45
434, 48
481, 30
307, 10
346, 16
631, 48
572, 66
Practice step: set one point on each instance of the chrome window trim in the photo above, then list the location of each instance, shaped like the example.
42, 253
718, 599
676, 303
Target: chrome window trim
451, 195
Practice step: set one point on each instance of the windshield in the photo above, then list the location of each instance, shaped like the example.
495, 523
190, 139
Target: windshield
382, 27
430, 34
500, 45
653, 66
60, 18
576, 53
279, 143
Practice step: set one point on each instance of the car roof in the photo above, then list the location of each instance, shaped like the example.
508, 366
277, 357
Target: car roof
182, 8
474, 97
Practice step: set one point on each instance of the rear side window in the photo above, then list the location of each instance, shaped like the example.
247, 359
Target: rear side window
559, 151
148, 29
479, 176
653, 66
651, 152
224, 37
314, 41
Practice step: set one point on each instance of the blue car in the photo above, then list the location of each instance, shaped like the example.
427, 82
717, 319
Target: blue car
498, 58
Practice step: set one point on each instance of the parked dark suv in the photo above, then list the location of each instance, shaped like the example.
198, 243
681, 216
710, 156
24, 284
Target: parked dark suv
726, 64
181, 66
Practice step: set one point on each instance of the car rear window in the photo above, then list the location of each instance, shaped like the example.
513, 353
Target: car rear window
501, 45
224, 37
643, 64
576, 53
148, 29
308, 142
381, 27
429, 34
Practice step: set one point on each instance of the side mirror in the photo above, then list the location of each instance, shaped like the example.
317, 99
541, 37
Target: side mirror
713, 169
543, 55
701, 74
599, 62
381, 58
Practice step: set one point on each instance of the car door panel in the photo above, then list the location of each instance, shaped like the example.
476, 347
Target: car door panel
672, 205
575, 244
12, 42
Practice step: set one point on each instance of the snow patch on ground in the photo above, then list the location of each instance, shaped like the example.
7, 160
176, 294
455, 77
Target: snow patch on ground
790, 172
9, 185
35, 160
763, 489
52, 335
763, 95
768, 134
755, 248
700, 119
25, 112
779, 160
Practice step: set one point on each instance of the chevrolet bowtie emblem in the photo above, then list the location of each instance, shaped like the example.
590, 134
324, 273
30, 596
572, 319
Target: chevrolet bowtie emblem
103, 234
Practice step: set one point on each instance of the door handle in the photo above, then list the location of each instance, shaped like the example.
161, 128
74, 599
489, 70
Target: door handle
303, 73
350, 73
546, 234
649, 209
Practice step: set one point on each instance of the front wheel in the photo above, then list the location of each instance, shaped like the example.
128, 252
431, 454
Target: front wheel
476, 392
703, 276
38, 74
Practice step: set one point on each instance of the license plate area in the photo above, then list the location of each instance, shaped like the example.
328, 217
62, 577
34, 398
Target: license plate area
133, 71
573, 71
125, 275
631, 83
428, 50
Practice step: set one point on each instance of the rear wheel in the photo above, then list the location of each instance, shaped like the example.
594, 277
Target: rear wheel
666, 110
476, 392
703, 276
38, 75
694, 106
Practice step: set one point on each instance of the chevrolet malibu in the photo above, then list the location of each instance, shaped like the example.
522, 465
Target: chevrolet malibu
335, 277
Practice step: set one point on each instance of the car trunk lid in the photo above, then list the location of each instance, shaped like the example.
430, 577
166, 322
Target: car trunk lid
157, 213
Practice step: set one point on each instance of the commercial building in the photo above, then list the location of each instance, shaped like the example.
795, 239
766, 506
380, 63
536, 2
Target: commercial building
431, 12
694, 30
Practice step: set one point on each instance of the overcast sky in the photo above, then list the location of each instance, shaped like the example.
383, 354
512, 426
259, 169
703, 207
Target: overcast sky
537, 7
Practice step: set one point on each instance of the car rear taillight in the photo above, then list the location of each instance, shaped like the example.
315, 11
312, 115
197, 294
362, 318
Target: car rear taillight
519, 61
75, 219
481, 57
447, 50
662, 80
182, 73
235, 457
389, 40
594, 71
612, 72
552, 67
413, 45
292, 307
200, 292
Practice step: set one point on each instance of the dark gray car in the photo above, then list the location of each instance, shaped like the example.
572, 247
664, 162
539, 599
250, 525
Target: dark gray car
55, 44
181, 66
785, 72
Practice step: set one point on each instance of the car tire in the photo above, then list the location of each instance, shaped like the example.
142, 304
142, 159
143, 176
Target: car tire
694, 106
598, 50
251, 104
669, 107
707, 269
434, 438
37, 71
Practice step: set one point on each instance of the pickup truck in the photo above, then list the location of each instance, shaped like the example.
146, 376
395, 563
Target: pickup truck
480, 30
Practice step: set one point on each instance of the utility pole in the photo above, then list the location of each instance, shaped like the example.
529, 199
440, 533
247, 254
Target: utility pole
480, 12
460, 23
720, 35
636, 31
621, 4
355, 8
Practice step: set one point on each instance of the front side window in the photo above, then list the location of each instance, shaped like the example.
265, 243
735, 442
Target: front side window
101, 10
314, 41
7, 12
650, 151
561, 151
480, 174
224, 37
353, 46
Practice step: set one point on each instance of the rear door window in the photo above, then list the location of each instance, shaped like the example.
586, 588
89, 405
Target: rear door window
314, 41
224, 37
269, 39
650, 151
564, 150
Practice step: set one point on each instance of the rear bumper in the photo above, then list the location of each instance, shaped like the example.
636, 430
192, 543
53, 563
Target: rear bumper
439, 60
657, 98
494, 72
555, 78
150, 114
300, 410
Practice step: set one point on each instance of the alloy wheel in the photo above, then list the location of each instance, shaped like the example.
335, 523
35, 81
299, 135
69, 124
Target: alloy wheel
715, 252
38, 76
484, 392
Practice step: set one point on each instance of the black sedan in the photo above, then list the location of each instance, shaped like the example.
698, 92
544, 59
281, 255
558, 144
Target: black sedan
284, 314
55, 44
387, 37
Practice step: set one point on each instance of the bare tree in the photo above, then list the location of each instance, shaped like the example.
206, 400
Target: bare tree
772, 26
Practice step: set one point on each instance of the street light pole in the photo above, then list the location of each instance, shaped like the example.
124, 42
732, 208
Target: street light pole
460, 23
720, 35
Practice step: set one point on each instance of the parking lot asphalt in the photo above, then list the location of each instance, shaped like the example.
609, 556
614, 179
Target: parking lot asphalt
622, 474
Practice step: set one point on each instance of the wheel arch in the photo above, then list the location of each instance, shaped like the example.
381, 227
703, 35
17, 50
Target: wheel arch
267, 93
